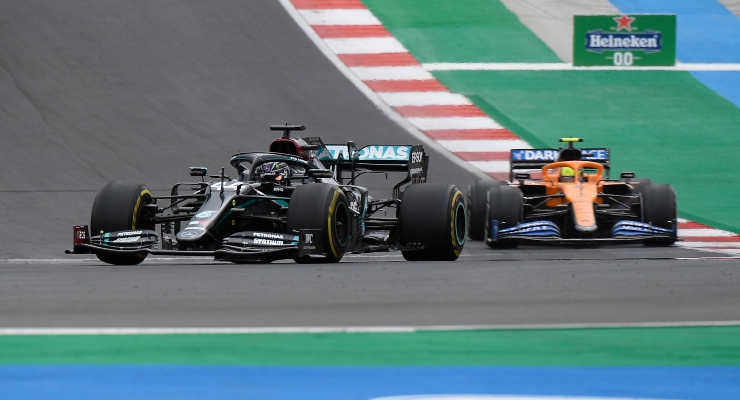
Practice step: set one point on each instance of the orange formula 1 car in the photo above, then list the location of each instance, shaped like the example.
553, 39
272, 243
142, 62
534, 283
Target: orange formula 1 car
573, 201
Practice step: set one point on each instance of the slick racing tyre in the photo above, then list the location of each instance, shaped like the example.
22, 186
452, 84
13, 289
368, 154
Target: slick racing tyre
321, 206
504, 204
433, 216
477, 197
640, 184
659, 209
118, 206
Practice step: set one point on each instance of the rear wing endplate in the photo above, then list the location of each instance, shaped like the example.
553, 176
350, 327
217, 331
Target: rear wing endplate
378, 157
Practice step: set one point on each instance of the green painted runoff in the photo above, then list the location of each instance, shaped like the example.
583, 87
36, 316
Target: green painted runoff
460, 31
662, 125
680, 346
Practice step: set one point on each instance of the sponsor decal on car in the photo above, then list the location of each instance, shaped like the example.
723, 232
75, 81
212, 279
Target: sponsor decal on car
373, 152
269, 235
127, 239
267, 242
205, 214
132, 233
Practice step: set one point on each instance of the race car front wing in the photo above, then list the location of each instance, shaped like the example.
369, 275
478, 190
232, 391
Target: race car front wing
547, 231
241, 246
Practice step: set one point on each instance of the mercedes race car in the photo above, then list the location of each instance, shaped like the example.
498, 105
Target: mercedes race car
571, 200
297, 201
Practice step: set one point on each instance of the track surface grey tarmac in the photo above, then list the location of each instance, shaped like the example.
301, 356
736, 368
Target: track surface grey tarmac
139, 90
530, 285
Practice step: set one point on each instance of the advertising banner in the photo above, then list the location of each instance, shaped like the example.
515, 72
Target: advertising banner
624, 40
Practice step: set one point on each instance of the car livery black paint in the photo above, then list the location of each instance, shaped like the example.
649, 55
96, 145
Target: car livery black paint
298, 200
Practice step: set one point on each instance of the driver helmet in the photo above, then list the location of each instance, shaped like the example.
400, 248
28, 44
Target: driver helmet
274, 171
567, 174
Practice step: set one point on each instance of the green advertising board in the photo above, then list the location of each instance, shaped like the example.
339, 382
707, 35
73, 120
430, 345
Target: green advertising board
637, 40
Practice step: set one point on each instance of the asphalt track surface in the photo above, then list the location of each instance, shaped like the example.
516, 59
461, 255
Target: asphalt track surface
141, 90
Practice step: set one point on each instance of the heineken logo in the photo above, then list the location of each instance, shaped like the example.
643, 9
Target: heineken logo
624, 40
598, 41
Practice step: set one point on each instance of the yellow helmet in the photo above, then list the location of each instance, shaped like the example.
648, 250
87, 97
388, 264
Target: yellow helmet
567, 171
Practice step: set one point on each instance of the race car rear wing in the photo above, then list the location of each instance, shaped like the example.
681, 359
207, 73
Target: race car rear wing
523, 159
376, 158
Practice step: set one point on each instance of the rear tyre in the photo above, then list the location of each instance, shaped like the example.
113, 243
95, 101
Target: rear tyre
321, 206
659, 209
505, 204
118, 206
477, 198
432, 215
640, 184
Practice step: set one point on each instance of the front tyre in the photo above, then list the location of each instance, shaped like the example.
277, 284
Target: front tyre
119, 206
432, 215
321, 206
477, 200
505, 205
659, 208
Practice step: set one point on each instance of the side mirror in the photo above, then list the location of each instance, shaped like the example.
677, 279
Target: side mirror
319, 173
627, 175
522, 176
198, 171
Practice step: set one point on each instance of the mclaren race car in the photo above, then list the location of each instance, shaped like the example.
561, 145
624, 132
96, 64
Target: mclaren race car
297, 201
571, 199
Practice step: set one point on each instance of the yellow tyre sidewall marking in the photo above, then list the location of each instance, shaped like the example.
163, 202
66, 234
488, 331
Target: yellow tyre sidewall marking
138, 204
331, 220
453, 231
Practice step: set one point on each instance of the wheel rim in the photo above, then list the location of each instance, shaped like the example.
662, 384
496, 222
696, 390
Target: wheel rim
460, 223
341, 224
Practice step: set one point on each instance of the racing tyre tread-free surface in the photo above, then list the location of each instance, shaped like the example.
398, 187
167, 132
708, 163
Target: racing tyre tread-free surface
432, 215
659, 208
118, 206
477, 198
504, 204
640, 184
321, 206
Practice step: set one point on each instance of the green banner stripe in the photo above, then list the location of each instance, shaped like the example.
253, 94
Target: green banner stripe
577, 347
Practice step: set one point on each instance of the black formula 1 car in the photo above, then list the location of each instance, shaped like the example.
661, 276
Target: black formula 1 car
571, 200
299, 201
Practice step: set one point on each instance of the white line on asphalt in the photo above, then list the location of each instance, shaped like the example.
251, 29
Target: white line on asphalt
706, 232
346, 329
436, 123
380, 45
339, 17
397, 99
504, 145
570, 67
392, 73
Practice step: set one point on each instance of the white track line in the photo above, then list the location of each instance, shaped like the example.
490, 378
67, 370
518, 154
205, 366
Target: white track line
570, 67
371, 45
436, 123
392, 73
337, 17
397, 99
346, 329
504, 145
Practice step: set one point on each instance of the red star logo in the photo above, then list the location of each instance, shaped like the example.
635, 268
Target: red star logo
624, 22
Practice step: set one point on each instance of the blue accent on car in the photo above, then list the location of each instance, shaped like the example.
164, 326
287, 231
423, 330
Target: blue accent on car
527, 229
635, 228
